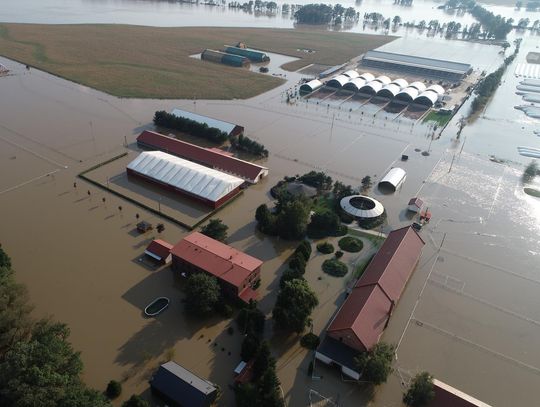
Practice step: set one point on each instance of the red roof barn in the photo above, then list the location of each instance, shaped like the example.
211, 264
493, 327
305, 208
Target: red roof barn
159, 250
208, 157
237, 272
364, 315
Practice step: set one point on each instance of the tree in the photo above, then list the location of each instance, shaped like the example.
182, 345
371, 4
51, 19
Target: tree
263, 361
250, 346
265, 220
298, 263
376, 364
268, 389
160, 227
251, 320
45, 371
324, 222
289, 275
531, 171
114, 389
5, 261
366, 183
314, 14
215, 229
294, 305
136, 401
202, 294
420, 392
292, 220
246, 395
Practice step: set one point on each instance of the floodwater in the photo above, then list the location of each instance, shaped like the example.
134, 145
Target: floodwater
173, 14
469, 314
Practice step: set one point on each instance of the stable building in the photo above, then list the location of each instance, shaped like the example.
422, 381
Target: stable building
178, 387
419, 66
237, 272
448, 396
230, 128
191, 180
363, 317
209, 157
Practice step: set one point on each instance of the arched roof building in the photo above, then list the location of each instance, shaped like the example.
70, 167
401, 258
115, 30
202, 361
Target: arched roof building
351, 74
393, 179
362, 207
385, 80
371, 88
389, 91
408, 94
427, 98
310, 86
338, 81
418, 86
402, 83
354, 84
368, 77
438, 89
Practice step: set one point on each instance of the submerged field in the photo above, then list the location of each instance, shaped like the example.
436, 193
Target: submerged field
149, 62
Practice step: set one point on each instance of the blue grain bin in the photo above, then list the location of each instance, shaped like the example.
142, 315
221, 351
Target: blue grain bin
251, 54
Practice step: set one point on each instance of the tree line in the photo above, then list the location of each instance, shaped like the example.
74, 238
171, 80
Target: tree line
202, 130
317, 14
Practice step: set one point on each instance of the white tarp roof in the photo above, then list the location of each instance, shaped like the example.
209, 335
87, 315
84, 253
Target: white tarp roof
394, 177
218, 124
196, 179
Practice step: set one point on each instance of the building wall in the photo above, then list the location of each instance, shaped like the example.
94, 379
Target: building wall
186, 194
427, 72
348, 337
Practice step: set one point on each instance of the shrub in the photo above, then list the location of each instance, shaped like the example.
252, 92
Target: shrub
298, 263
335, 267
325, 248
350, 244
339, 254
310, 341
303, 250
114, 389
288, 275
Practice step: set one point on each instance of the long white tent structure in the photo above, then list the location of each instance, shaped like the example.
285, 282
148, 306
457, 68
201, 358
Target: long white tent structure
393, 179
185, 176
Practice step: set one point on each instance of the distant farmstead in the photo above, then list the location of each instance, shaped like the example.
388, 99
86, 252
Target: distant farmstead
230, 128
210, 157
237, 272
359, 323
205, 185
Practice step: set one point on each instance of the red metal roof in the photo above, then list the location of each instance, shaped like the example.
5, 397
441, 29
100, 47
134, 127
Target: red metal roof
209, 157
394, 262
160, 248
368, 306
216, 258
365, 311
447, 396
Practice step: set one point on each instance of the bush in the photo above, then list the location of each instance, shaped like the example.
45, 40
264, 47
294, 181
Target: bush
325, 248
298, 263
114, 389
350, 244
346, 217
339, 254
310, 341
335, 267
288, 275
303, 250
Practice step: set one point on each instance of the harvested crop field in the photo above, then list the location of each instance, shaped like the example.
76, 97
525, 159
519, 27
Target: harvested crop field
150, 62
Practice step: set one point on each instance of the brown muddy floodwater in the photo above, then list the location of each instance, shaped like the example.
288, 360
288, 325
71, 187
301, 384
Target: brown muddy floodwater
470, 314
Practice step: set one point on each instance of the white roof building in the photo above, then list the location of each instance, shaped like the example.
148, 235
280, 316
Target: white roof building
385, 80
351, 74
355, 84
393, 178
371, 87
367, 76
338, 81
418, 86
361, 207
389, 91
408, 94
438, 89
427, 98
203, 182
310, 86
402, 83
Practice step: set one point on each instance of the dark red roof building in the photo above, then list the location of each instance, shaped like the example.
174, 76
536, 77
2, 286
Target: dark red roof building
209, 157
159, 250
448, 396
236, 271
364, 315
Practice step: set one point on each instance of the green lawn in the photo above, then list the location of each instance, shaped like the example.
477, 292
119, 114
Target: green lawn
154, 62
440, 119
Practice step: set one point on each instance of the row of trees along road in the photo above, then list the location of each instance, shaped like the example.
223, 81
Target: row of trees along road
325, 14
38, 365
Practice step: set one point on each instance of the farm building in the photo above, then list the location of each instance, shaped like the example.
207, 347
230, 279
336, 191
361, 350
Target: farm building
224, 58
236, 272
393, 179
179, 387
362, 318
361, 207
368, 77
448, 396
402, 83
371, 88
338, 81
428, 67
189, 179
389, 91
408, 94
251, 54
427, 98
419, 86
160, 251
415, 205
229, 128
310, 86
213, 157
351, 74
384, 80
355, 84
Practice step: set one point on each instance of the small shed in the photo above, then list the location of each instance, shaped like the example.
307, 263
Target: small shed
144, 226
160, 251
415, 205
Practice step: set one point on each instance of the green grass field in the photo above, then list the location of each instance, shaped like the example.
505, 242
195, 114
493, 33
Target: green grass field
151, 62
440, 119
